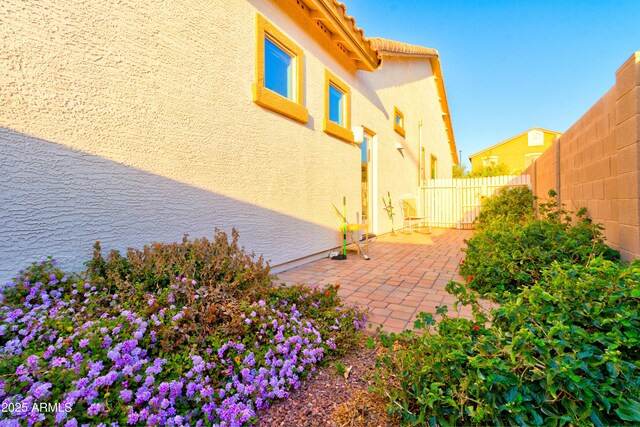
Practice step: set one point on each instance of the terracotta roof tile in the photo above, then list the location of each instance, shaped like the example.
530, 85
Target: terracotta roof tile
399, 48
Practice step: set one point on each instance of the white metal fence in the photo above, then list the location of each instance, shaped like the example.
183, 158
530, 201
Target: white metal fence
456, 202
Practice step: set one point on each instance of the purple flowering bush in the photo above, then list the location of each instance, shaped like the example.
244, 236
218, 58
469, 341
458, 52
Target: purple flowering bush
78, 351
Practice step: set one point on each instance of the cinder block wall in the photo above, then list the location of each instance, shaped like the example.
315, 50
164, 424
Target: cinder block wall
595, 164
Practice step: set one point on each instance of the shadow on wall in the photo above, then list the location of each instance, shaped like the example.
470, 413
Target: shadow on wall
57, 202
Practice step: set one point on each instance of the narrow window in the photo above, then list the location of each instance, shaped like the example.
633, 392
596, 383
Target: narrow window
279, 72
398, 121
337, 108
336, 105
434, 167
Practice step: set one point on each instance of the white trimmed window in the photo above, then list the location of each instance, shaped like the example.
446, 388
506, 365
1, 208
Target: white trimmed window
489, 161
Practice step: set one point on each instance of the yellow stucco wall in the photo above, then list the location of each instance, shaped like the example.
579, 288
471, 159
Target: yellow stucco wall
131, 122
512, 152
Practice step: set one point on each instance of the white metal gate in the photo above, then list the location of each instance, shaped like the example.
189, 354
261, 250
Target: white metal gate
456, 202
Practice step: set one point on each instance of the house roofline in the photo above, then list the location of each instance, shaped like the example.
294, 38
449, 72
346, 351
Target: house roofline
332, 15
394, 48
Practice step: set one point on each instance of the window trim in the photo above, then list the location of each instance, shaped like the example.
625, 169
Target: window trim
264, 97
398, 128
532, 156
490, 161
342, 132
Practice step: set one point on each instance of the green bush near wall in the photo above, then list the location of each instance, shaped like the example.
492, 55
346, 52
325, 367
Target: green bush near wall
564, 351
509, 207
562, 348
511, 249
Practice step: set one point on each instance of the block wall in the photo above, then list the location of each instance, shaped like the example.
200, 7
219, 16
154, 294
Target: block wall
595, 164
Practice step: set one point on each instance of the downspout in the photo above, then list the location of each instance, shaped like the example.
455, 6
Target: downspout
420, 161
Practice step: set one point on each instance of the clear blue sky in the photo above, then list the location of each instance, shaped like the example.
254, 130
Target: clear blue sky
512, 65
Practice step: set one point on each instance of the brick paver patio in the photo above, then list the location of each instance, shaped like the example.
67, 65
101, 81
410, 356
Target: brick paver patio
406, 274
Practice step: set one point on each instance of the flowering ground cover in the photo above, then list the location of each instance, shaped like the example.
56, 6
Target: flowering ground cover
93, 350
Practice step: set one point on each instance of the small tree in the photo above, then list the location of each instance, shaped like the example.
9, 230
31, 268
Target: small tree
459, 171
492, 170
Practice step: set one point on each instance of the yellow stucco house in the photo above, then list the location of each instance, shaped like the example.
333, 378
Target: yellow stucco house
517, 152
135, 121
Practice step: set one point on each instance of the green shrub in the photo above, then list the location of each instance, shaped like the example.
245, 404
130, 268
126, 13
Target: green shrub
510, 206
562, 352
217, 263
494, 170
458, 171
210, 278
506, 256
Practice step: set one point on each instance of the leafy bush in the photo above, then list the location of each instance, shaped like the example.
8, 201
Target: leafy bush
210, 279
564, 351
493, 170
458, 171
509, 206
137, 341
505, 256
219, 264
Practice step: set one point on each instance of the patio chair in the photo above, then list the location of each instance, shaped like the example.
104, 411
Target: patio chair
409, 212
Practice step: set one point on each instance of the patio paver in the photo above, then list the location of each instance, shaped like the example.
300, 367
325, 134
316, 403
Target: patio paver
406, 274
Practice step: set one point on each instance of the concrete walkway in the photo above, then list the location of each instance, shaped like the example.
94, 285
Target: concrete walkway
406, 274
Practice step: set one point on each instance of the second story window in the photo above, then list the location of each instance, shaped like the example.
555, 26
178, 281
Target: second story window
398, 121
490, 161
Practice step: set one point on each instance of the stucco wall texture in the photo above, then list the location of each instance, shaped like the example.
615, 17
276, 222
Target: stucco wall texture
130, 122
596, 163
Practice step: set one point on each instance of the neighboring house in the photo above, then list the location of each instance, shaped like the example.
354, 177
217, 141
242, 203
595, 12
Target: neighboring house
133, 121
517, 153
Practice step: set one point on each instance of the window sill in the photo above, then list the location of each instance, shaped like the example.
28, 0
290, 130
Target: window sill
336, 130
275, 102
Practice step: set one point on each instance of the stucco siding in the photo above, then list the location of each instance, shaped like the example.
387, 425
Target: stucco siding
513, 152
130, 122
408, 84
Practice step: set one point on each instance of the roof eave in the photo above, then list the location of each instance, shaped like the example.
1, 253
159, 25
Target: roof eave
408, 55
444, 106
332, 15
504, 141
398, 49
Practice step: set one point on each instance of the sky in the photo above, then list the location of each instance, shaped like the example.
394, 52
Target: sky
509, 66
